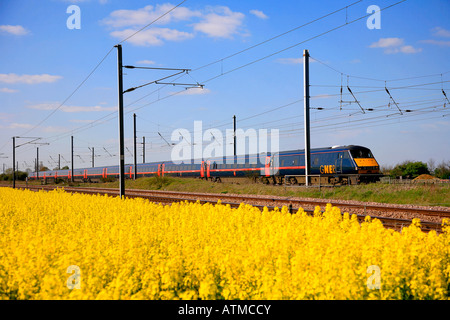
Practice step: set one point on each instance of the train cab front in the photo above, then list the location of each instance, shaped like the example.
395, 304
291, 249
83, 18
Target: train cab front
367, 167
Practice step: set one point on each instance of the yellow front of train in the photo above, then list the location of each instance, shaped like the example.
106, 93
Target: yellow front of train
365, 161
367, 165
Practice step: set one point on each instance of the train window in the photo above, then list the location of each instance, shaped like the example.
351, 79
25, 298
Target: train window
361, 153
282, 163
316, 161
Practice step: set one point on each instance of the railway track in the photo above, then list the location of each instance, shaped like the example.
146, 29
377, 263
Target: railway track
395, 217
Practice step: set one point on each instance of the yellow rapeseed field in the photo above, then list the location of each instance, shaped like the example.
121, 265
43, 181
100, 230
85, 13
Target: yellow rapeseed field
58, 245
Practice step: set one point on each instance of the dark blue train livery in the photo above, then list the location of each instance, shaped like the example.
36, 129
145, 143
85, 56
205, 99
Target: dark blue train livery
332, 165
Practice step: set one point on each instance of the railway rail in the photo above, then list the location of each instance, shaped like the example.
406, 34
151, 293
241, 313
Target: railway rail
395, 217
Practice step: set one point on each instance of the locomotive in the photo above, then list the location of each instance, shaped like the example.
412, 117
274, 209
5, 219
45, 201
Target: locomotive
337, 165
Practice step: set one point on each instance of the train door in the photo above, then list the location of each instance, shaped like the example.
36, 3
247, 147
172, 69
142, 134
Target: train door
208, 168
161, 170
202, 169
338, 163
267, 166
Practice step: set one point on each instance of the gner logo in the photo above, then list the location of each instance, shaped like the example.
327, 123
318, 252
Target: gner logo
328, 169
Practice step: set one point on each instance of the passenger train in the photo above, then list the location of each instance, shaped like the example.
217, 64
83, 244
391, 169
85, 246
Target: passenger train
333, 165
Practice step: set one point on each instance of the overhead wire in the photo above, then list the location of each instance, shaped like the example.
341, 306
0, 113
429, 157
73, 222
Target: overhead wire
260, 59
298, 43
70, 95
98, 65
149, 24
227, 57
276, 37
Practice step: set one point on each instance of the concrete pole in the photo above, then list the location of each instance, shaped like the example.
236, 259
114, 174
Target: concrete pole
121, 133
135, 146
306, 116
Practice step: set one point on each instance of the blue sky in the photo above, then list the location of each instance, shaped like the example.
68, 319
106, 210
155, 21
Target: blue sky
248, 55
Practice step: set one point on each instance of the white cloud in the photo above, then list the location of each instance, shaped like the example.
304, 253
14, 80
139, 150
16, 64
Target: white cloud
15, 30
20, 126
7, 90
87, 109
79, 1
221, 22
81, 121
146, 62
409, 49
27, 78
5, 116
394, 45
322, 96
195, 91
152, 37
259, 14
290, 60
70, 109
143, 16
48, 129
54, 129
387, 42
216, 22
440, 43
435, 126
441, 32
293, 60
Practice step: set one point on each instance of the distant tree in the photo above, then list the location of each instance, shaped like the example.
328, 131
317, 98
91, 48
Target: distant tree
398, 170
65, 168
442, 170
21, 175
386, 169
415, 169
409, 169
7, 176
431, 165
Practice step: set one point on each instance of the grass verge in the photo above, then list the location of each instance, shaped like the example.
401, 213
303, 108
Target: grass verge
420, 194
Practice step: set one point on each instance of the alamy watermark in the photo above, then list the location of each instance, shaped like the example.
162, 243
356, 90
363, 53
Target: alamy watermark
74, 281
374, 280
211, 143
74, 20
374, 21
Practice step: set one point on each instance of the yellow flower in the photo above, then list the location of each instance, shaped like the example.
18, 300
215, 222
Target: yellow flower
135, 249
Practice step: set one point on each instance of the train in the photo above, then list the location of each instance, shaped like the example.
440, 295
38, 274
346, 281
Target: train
336, 165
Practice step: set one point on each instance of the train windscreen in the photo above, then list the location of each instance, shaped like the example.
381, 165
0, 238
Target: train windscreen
361, 153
